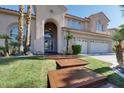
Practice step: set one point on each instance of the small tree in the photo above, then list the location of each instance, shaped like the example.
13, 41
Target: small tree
14, 47
2, 51
118, 37
6, 43
68, 37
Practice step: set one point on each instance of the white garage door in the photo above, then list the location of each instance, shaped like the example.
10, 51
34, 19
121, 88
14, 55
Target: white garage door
83, 44
97, 47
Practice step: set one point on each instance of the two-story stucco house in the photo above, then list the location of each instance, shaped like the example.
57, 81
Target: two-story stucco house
50, 25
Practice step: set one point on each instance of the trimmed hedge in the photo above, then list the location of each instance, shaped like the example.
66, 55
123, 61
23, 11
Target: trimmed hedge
76, 49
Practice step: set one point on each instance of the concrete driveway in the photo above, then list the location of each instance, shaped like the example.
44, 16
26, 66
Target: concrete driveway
110, 58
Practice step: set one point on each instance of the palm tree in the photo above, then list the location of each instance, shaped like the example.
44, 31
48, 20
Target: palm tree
118, 37
20, 28
28, 22
68, 37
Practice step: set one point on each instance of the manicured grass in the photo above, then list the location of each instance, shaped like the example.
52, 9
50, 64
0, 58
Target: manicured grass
104, 68
32, 71
25, 72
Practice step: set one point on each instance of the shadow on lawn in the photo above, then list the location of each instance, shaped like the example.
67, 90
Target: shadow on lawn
103, 70
112, 77
116, 79
5, 61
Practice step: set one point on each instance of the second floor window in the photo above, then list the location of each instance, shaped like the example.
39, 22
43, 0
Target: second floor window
99, 26
74, 24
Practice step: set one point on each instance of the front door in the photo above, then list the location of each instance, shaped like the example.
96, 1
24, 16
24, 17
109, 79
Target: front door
50, 38
48, 42
48, 45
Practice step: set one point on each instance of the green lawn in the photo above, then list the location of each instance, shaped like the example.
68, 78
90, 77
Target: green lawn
32, 71
25, 72
104, 68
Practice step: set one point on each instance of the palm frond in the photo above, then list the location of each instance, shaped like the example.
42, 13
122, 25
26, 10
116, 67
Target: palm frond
4, 36
118, 34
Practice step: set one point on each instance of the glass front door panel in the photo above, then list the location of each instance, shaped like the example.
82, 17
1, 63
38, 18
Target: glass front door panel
48, 44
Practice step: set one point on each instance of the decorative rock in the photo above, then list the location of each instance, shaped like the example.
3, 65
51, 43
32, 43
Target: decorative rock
118, 71
38, 53
29, 53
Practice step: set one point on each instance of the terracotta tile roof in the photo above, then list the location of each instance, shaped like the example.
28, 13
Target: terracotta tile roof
10, 11
100, 13
76, 17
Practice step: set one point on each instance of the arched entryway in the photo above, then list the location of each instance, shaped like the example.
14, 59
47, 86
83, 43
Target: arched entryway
50, 38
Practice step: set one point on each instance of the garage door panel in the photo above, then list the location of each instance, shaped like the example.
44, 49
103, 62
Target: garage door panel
99, 47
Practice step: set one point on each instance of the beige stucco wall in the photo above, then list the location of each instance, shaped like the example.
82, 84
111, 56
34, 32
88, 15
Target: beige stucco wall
94, 18
88, 38
43, 15
7, 21
55, 14
90, 24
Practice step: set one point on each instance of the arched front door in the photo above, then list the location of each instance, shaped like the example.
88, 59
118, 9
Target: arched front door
50, 38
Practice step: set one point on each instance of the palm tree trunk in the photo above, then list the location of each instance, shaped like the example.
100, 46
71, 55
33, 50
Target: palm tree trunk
119, 54
21, 28
28, 32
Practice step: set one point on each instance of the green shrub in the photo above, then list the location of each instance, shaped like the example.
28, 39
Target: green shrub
2, 51
13, 47
6, 43
76, 49
2, 48
114, 49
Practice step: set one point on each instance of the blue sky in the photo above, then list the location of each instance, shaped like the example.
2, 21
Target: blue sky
111, 11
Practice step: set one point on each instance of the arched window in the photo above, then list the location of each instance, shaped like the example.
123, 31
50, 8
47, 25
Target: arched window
14, 33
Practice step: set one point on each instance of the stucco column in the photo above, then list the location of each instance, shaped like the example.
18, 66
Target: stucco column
39, 42
110, 47
59, 41
88, 47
